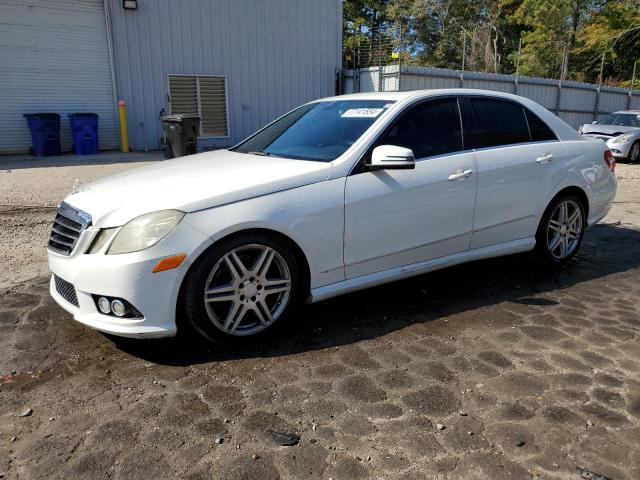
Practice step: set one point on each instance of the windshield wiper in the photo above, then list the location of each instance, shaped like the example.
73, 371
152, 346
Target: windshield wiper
292, 157
267, 154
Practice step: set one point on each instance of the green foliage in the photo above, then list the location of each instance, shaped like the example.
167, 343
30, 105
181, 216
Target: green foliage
614, 31
559, 38
546, 37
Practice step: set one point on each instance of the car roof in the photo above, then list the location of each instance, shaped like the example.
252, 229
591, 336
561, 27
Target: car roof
562, 129
403, 95
370, 96
632, 112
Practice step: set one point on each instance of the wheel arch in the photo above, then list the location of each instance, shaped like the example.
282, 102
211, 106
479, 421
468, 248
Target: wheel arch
570, 190
292, 244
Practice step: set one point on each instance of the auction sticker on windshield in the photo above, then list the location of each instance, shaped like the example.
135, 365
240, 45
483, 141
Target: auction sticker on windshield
362, 112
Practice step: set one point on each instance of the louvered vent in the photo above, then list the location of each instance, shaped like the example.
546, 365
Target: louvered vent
213, 105
201, 95
184, 94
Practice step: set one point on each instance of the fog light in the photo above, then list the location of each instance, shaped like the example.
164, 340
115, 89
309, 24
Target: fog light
104, 305
118, 308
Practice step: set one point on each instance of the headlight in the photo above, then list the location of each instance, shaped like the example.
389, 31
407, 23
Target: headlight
145, 231
580, 129
101, 239
622, 138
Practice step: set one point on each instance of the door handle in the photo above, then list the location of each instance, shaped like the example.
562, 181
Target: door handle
458, 175
547, 157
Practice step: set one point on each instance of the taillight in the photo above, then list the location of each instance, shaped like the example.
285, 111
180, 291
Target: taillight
610, 160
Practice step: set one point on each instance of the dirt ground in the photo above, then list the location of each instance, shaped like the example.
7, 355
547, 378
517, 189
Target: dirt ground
497, 369
31, 189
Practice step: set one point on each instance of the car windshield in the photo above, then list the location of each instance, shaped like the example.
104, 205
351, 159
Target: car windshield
624, 119
320, 131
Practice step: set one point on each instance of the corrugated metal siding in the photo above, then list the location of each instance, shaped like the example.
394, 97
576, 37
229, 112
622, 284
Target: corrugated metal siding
577, 101
369, 80
276, 54
54, 57
545, 95
612, 101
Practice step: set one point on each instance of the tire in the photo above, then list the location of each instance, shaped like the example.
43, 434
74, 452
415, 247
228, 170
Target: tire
244, 302
634, 152
552, 229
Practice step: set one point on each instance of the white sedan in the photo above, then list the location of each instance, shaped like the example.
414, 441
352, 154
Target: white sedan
621, 131
337, 195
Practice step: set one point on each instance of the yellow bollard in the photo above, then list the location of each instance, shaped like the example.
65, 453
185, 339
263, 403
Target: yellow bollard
124, 134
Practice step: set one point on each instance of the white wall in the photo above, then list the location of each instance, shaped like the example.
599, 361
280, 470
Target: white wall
54, 58
276, 55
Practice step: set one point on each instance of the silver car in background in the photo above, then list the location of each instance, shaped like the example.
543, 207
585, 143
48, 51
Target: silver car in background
621, 132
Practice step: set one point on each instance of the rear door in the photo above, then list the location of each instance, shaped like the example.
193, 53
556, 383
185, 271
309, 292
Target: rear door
519, 160
399, 217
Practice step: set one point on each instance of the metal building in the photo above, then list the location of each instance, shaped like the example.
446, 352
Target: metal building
237, 63
54, 57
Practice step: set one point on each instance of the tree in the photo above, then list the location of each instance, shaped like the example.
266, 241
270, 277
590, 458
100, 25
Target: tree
436, 31
560, 38
614, 31
549, 37
362, 21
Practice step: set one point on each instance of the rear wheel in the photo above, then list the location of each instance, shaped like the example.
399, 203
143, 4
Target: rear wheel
241, 288
561, 230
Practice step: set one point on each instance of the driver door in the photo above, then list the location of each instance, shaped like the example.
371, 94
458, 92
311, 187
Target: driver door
399, 217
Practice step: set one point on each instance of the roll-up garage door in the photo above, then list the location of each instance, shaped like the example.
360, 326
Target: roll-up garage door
54, 57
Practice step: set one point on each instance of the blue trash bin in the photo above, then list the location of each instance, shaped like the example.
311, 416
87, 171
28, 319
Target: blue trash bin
84, 133
45, 133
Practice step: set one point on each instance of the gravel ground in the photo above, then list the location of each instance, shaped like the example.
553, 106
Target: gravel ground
31, 190
496, 369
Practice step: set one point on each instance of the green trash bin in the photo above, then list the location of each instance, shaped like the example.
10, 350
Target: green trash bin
181, 134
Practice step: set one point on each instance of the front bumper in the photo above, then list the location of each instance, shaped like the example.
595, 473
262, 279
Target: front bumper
619, 150
130, 277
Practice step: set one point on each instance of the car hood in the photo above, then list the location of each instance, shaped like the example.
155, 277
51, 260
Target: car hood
191, 183
607, 130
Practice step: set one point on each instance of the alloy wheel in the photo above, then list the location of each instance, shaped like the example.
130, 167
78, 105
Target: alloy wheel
247, 290
564, 229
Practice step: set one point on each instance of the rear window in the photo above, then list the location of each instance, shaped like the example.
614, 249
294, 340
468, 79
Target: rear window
539, 130
497, 122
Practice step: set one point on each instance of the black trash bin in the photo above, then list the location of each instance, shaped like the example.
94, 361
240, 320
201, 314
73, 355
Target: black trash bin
45, 133
181, 134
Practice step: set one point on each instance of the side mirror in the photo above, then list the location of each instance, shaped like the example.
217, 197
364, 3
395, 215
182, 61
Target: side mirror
594, 122
391, 157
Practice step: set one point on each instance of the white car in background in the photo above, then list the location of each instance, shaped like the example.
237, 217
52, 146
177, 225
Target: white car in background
337, 195
621, 131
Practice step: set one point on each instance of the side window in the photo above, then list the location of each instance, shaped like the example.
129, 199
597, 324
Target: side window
430, 128
497, 122
539, 130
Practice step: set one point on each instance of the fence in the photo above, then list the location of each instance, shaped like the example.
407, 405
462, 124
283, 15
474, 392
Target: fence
576, 103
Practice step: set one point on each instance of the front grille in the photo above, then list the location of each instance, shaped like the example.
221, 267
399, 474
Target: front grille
67, 227
66, 290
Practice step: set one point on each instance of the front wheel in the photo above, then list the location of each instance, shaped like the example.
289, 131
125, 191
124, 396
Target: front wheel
241, 288
561, 230
634, 152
